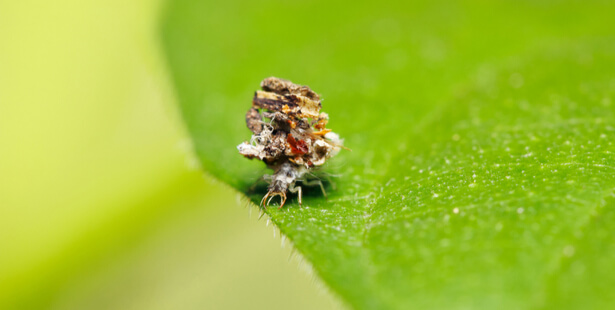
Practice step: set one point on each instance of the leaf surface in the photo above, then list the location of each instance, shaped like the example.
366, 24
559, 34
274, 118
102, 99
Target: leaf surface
482, 168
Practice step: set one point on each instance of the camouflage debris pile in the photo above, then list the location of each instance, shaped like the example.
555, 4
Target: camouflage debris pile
289, 135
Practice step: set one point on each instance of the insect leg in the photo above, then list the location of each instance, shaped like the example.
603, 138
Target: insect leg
331, 182
316, 182
327, 176
296, 189
283, 198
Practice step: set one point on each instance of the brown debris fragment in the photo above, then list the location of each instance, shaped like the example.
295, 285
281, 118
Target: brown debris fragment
254, 120
286, 87
295, 105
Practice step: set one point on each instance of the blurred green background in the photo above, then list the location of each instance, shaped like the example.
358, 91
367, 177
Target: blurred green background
102, 205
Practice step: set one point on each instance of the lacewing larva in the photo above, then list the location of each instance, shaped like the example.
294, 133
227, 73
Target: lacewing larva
289, 134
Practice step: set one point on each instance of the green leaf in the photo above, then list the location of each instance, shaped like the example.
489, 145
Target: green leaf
482, 171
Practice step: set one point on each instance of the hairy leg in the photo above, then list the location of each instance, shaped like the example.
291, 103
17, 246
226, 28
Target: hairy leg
316, 182
296, 189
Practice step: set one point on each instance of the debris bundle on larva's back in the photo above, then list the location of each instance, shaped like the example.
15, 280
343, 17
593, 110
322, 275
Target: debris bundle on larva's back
289, 135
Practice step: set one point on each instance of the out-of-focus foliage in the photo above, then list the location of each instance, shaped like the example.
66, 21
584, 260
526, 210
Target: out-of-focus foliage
98, 208
482, 171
